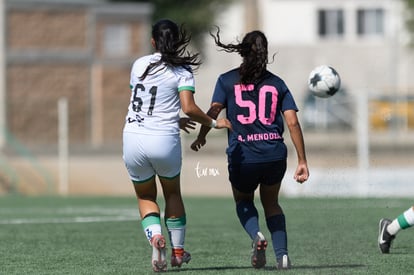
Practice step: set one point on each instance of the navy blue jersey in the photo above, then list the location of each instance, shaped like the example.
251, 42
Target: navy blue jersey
255, 111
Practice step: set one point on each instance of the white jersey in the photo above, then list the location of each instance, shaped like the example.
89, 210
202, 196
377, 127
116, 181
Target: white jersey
155, 106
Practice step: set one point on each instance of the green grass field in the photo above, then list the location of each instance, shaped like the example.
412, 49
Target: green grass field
93, 235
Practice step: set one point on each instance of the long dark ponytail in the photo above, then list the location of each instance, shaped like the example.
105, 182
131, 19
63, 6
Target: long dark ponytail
253, 50
172, 41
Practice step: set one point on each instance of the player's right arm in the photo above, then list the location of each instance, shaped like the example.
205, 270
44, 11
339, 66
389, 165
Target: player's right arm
213, 112
190, 108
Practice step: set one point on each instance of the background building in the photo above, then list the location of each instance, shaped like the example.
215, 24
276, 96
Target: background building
83, 50
358, 141
365, 40
80, 50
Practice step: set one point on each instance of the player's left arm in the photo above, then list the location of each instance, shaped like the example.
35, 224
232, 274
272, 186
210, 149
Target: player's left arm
295, 130
213, 112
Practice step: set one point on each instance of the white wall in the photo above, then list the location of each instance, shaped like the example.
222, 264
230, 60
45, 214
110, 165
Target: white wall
288, 22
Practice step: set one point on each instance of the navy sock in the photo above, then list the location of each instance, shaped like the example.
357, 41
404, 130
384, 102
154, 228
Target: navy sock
249, 217
277, 227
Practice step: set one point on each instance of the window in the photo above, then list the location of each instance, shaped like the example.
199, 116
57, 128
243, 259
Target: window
331, 23
370, 22
116, 40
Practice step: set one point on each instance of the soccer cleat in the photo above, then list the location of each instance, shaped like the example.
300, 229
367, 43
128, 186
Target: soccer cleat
179, 256
259, 245
284, 263
159, 263
384, 238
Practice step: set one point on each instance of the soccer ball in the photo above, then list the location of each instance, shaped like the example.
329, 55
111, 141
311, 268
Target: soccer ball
324, 81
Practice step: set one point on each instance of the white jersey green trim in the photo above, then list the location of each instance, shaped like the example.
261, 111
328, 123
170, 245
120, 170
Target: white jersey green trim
155, 104
187, 88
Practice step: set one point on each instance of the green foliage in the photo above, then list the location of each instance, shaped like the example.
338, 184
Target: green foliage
197, 16
410, 3
410, 18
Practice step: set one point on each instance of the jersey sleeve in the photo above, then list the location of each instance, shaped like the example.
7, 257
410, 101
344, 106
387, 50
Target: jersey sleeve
288, 102
186, 80
219, 94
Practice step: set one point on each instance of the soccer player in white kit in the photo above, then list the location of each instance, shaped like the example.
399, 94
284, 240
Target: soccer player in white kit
161, 85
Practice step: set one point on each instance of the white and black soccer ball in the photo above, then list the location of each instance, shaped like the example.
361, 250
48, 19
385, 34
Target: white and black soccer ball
324, 81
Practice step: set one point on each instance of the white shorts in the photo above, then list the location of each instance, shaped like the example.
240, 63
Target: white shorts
149, 155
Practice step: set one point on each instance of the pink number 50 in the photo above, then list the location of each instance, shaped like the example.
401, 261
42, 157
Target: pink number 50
261, 105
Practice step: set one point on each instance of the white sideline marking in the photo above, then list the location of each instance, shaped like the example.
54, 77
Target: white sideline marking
128, 214
69, 220
77, 210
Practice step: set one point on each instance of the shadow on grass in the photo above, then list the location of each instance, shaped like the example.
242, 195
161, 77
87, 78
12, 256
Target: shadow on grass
211, 268
295, 267
338, 266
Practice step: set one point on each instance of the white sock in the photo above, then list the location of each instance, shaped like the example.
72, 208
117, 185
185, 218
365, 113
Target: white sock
393, 227
152, 230
403, 221
409, 217
176, 231
151, 226
177, 236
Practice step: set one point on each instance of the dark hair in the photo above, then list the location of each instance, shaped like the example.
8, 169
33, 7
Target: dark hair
171, 41
253, 50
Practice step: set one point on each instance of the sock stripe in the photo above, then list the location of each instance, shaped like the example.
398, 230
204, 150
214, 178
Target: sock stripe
403, 222
176, 222
150, 220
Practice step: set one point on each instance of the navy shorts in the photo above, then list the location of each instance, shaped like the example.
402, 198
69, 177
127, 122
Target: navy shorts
247, 177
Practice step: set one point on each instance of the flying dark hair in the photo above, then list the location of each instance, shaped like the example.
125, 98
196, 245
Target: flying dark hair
253, 50
171, 41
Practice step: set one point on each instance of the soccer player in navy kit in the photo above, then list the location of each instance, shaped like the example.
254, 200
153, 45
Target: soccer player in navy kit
257, 102
161, 85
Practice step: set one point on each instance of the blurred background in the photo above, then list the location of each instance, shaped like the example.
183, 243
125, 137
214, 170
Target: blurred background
64, 91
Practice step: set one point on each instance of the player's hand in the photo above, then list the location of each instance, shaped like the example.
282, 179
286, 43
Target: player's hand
186, 123
301, 173
198, 143
224, 123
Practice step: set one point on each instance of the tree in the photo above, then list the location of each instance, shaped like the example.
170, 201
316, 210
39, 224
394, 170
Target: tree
410, 18
198, 16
